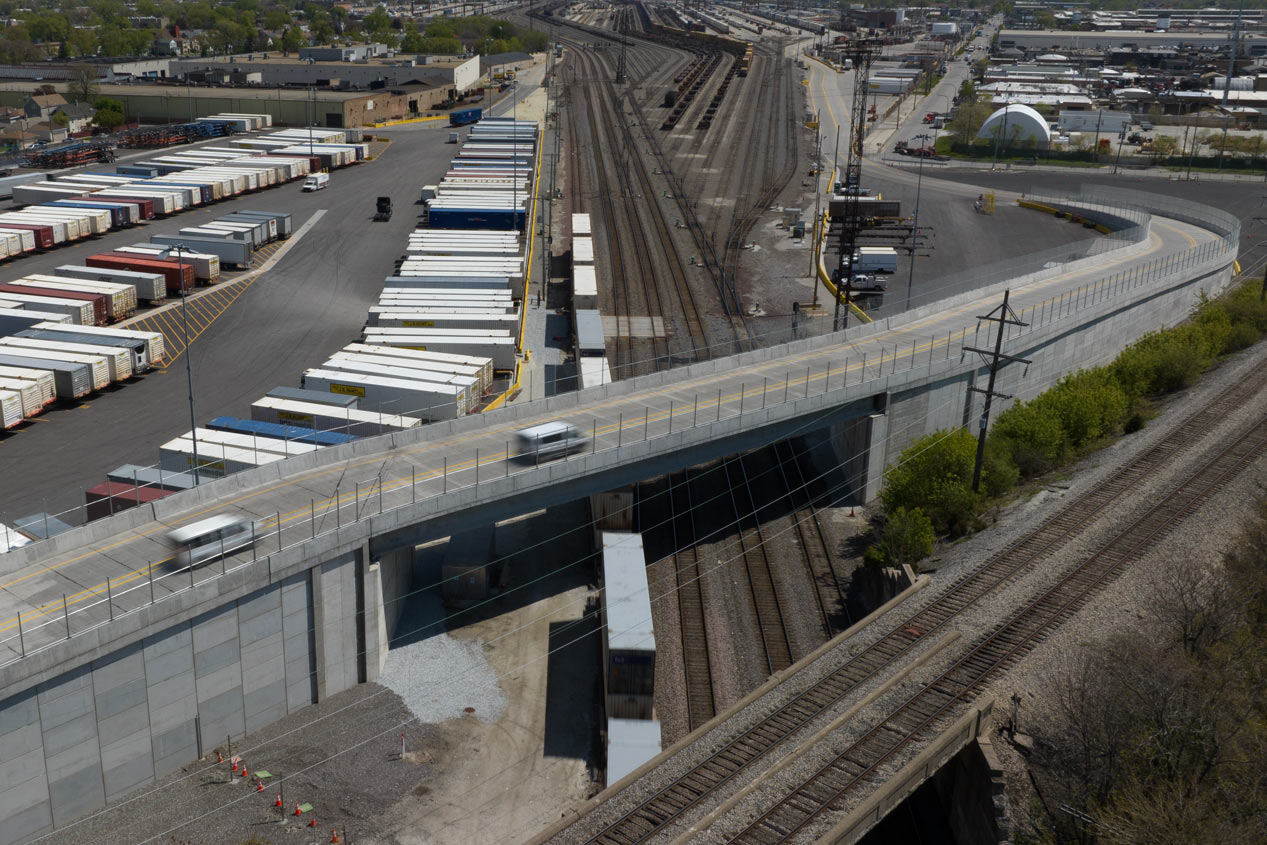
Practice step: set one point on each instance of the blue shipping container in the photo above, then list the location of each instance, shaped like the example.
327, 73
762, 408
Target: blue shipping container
465, 116
475, 218
282, 432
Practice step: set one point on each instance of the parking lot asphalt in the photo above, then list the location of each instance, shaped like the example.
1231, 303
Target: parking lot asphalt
309, 304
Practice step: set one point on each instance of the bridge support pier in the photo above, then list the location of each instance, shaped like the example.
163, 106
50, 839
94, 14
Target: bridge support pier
861, 446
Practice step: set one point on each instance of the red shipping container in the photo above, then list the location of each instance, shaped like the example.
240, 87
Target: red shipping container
178, 276
100, 303
110, 497
43, 234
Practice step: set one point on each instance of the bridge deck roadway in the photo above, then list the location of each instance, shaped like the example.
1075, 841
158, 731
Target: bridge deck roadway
458, 465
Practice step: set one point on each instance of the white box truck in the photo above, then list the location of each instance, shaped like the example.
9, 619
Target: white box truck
875, 259
316, 181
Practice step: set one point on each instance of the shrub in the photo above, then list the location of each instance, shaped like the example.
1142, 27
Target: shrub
935, 474
1027, 426
999, 472
906, 539
1246, 306
1087, 405
1241, 336
1163, 362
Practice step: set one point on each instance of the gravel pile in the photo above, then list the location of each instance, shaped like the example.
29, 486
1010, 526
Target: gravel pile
439, 677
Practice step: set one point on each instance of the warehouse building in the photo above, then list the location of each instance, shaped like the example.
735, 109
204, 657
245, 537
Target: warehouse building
155, 103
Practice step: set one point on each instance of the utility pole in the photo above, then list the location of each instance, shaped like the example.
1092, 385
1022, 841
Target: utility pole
1004, 316
861, 53
818, 181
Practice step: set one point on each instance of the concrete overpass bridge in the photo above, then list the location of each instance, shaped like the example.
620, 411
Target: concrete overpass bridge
116, 668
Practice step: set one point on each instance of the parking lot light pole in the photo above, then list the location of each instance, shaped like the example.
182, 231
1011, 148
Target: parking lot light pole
189, 372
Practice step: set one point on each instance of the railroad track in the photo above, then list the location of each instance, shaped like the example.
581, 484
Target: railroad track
830, 788
649, 276
737, 753
829, 591
700, 701
762, 589
777, 150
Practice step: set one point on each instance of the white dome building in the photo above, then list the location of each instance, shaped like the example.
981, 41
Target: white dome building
1016, 123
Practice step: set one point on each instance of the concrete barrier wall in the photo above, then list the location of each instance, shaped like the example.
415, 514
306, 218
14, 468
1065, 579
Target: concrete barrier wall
96, 732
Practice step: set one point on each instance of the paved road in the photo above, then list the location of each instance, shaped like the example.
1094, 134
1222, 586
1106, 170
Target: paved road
308, 305
443, 462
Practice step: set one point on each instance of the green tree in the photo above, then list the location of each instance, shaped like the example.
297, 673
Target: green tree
378, 23
1164, 146
82, 41
293, 39
48, 26
412, 41
109, 113
60, 119
275, 19
968, 120
320, 28
907, 538
935, 474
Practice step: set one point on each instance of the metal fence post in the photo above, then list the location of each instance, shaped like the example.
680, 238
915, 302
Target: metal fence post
807, 375
507, 459
695, 413
224, 566
827, 375
279, 532
444, 481
620, 430
21, 637
787, 382
356, 501
719, 404
594, 438
380, 493
66, 612
338, 515
150, 571
312, 515
670, 416
109, 599
646, 421
413, 484
477, 466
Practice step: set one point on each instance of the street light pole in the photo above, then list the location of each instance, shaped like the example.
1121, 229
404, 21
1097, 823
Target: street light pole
919, 182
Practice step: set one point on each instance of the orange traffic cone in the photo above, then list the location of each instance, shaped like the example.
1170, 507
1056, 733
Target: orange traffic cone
259, 786
334, 834
279, 800
245, 773
313, 821
235, 766
219, 757
298, 812
851, 511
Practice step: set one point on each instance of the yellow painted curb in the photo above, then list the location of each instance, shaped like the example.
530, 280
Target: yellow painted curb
529, 230
409, 120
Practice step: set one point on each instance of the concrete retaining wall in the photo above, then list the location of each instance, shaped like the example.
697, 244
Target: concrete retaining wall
96, 732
